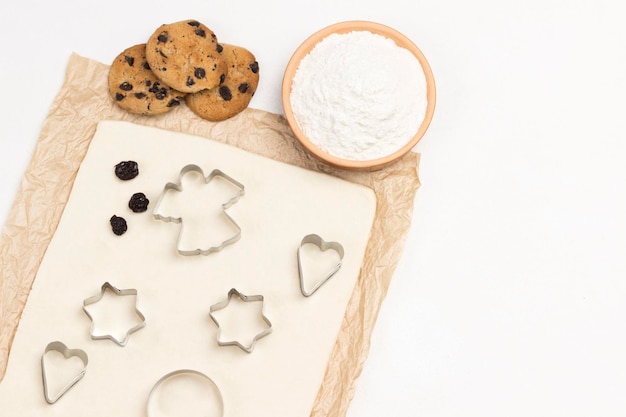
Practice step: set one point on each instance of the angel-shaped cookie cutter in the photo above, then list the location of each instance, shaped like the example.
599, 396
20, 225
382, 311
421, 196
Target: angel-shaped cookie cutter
91, 300
245, 298
177, 186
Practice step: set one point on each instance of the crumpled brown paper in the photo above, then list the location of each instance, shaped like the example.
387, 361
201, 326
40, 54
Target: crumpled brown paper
71, 123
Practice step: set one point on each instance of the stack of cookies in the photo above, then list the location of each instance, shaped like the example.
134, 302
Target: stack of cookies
183, 61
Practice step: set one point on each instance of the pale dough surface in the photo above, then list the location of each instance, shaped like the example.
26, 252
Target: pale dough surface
281, 204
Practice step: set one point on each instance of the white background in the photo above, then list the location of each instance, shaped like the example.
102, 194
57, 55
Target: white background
510, 299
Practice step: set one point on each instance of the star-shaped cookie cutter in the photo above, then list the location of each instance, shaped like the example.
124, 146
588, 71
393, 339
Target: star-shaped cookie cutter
177, 186
245, 298
91, 300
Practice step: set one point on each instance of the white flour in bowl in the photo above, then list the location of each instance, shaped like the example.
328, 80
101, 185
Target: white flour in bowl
359, 96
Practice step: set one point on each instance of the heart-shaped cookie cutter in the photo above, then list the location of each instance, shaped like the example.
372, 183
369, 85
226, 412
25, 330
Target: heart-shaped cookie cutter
67, 353
323, 246
178, 186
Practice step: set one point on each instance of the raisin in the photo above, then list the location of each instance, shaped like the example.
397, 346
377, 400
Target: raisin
140, 95
190, 82
126, 170
129, 60
119, 96
146, 66
222, 78
138, 203
126, 86
200, 32
254, 67
162, 37
118, 225
243, 87
194, 23
219, 48
225, 93
173, 102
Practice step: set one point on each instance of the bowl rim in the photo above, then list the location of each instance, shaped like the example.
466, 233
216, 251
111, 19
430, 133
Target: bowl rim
346, 27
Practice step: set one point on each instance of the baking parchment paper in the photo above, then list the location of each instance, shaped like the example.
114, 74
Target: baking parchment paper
83, 101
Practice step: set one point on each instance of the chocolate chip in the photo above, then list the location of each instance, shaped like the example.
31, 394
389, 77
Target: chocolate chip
219, 48
254, 67
199, 73
146, 66
213, 36
163, 37
225, 93
193, 23
138, 203
222, 78
118, 225
126, 170
243, 87
126, 86
190, 82
148, 83
119, 96
129, 60
173, 102
200, 32
159, 92
140, 95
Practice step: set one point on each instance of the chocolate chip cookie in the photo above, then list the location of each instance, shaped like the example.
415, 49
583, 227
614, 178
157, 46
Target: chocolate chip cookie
135, 88
234, 94
186, 56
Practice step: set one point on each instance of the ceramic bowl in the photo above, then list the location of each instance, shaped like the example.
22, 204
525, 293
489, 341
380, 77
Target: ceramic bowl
341, 28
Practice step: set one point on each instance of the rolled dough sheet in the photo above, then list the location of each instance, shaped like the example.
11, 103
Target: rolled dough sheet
281, 204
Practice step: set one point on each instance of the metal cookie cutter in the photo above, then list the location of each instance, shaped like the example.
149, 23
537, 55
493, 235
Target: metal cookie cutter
179, 187
67, 353
185, 373
98, 297
246, 298
323, 246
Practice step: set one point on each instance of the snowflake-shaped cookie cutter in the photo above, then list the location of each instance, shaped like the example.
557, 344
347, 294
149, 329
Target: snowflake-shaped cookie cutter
94, 299
178, 186
245, 298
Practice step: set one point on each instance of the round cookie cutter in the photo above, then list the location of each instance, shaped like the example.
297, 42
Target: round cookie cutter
184, 373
